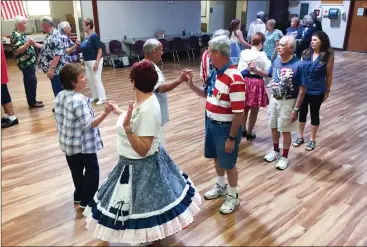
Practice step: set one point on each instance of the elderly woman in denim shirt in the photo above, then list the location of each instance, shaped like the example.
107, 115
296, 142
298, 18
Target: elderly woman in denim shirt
71, 49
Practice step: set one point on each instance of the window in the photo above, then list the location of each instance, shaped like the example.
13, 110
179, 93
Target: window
38, 8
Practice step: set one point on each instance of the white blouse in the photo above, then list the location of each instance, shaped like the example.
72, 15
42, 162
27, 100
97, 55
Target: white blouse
253, 55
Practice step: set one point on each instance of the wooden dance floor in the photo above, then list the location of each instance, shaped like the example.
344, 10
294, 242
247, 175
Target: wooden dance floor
321, 199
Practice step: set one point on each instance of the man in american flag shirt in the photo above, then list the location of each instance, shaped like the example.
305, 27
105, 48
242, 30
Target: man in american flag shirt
224, 108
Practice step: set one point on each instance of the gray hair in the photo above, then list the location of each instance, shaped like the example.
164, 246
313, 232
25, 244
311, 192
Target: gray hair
307, 20
260, 14
48, 20
18, 19
220, 32
272, 22
62, 26
221, 44
291, 41
150, 45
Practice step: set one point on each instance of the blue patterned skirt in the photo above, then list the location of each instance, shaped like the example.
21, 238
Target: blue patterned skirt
235, 52
142, 201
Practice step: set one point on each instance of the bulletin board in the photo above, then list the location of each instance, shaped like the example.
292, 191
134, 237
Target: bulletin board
333, 2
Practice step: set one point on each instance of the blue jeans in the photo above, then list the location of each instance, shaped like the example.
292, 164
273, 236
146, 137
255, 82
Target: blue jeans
56, 85
30, 84
215, 138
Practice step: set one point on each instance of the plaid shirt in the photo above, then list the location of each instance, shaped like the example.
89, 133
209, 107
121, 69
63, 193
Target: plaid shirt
68, 43
74, 115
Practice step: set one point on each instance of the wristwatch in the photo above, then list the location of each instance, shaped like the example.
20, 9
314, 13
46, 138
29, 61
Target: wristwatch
296, 109
232, 138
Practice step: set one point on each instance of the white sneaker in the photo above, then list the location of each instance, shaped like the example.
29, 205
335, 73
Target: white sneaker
229, 204
93, 99
282, 163
215, 192
101, 102
273, 155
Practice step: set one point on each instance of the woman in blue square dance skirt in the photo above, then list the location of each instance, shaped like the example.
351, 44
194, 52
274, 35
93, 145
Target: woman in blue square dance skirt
146, 197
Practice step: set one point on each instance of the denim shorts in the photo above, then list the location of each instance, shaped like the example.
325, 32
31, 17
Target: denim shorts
215, 138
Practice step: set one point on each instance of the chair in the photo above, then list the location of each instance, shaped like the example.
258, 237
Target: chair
193, 44
138, 49
205, 40
177, 45
165, 46
107, 61
116, 49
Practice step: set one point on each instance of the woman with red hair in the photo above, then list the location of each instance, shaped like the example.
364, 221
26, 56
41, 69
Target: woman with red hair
146, 197
9, 118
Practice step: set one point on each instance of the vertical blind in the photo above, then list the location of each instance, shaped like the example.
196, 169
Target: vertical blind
10, 9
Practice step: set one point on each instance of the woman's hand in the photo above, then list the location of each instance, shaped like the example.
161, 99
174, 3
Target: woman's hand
95, 66
326, 96
115, 108
126, 123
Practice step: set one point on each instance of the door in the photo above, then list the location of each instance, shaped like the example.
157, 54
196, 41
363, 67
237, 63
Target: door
216, 16
357, 27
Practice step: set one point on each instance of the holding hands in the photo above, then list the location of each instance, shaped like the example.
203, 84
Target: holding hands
186, 75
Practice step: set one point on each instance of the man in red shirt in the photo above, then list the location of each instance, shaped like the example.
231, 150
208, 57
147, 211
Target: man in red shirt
224, 108
9, 118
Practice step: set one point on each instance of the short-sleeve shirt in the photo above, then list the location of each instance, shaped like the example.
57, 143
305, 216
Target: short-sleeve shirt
228, 95
90, 47
162, 97
27, 58
145, 122
286, 78
68, 43
74, 115
52, 46
269, 44
294, 31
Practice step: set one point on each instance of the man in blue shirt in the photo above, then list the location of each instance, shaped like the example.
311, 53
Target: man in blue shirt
288, 93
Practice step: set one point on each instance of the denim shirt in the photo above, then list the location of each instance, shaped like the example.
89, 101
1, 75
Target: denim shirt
314, 75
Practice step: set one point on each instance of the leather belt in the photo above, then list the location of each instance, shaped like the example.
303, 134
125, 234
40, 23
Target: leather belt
219, 122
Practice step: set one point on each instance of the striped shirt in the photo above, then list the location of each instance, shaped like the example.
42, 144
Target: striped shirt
205, 66
228, 96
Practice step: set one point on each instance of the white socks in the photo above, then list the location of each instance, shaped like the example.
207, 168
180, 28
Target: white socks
12, 118
232, 191
220, 181
5, 116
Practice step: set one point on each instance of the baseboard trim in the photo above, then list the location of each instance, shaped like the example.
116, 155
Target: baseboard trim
338, 49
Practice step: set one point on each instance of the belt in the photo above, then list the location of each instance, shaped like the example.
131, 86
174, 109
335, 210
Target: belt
219, 122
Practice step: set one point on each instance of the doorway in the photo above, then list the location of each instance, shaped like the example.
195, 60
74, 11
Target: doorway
357, 24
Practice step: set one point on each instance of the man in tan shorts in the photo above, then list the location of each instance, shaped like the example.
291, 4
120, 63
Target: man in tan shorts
288, 92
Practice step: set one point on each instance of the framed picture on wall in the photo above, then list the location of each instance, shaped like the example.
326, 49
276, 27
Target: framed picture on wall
203, 8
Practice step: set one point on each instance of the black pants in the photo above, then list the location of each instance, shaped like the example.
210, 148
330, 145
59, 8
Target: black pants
86, 185
30, 84
315, 102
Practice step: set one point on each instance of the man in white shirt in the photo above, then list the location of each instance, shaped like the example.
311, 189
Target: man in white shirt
153, 51
257, 26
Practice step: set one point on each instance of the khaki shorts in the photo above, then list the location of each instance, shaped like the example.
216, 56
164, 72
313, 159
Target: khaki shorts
279, 112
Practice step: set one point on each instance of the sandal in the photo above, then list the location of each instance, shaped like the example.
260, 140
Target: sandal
250, 137
244, 133
298, 142
311, 145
